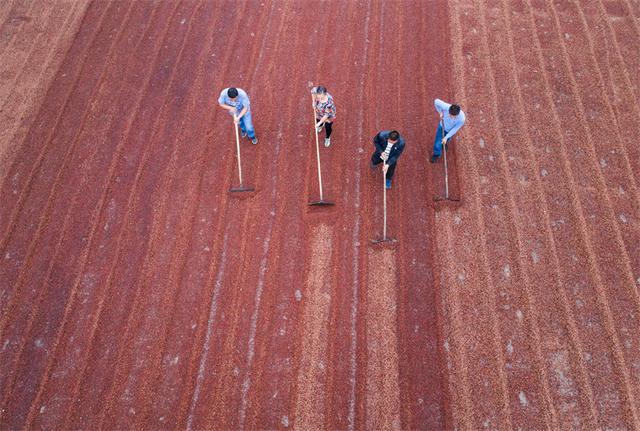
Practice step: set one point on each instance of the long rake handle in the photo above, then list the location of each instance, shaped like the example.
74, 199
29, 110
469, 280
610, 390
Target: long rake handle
238, 150
446, 173
384, 205
315, 130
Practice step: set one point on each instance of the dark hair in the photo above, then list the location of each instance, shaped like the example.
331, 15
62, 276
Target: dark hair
454, 109
394, 135
321, 90
232, 92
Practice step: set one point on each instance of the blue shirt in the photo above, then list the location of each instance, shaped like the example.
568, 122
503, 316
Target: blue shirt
240, 103
451, 124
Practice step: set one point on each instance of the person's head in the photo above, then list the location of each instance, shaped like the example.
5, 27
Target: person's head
454, 110
321, 93
232, 92
393, 136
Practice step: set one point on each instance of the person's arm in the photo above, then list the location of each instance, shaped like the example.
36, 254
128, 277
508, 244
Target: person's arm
441, 107
246, 104
227, 107
378, 141
399, 149
455, 128
223, 105
241, 114
320, 122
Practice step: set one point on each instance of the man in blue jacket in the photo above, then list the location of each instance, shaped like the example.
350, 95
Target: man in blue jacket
453, 118
388, 147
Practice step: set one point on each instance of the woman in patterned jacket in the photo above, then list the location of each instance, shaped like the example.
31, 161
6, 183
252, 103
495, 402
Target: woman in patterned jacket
325, 111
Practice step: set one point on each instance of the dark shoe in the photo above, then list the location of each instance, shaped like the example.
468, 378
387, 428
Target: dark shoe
434, 158
254, 141
388, 184
243, 134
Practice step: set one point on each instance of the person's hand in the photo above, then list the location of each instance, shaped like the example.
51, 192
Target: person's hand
383, 156
236, 120
385, 168
441, 115
444, 141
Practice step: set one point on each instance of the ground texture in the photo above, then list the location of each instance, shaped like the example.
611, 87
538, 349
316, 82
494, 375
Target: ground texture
136, 291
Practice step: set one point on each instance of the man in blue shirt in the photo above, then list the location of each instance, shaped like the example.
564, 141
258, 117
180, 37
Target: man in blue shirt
388, 147
453, 118
236, 101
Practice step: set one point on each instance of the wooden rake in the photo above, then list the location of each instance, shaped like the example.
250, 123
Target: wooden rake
320, 202
446, 196
242, 187
385, 240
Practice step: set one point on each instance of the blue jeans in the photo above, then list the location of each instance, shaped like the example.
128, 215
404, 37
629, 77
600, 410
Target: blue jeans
246, 125
437, 143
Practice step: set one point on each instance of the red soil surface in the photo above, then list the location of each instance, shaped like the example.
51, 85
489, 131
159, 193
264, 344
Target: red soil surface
136, 291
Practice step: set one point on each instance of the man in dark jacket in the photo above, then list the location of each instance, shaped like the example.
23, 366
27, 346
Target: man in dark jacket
388, 147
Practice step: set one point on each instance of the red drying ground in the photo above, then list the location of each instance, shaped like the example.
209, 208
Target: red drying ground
540, 266
137, 292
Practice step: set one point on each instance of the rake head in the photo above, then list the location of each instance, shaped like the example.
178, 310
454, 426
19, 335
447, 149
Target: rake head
445, 198
242, 191
321, 203
387, 242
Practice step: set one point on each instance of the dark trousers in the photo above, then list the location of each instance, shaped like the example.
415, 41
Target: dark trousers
328, 127
376, 160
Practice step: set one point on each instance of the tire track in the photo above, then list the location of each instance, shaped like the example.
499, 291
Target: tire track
104, 326
309, 412
589, 21
5, 10
493, 405
151, 88
567, 255
19, 50
185, 413
423, 397
610, 164
274, 396
15, 206
598, 253
43, 123
36, 351
343, 377
17, 112
383, 391
237, 370
614, 71
14, 299
171, 379
170, 236
215, 320
455, 340
139, 381
170, 100
62, 179
78, 312
12, 26
219, 282
529, 381
630, 15
564, 389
